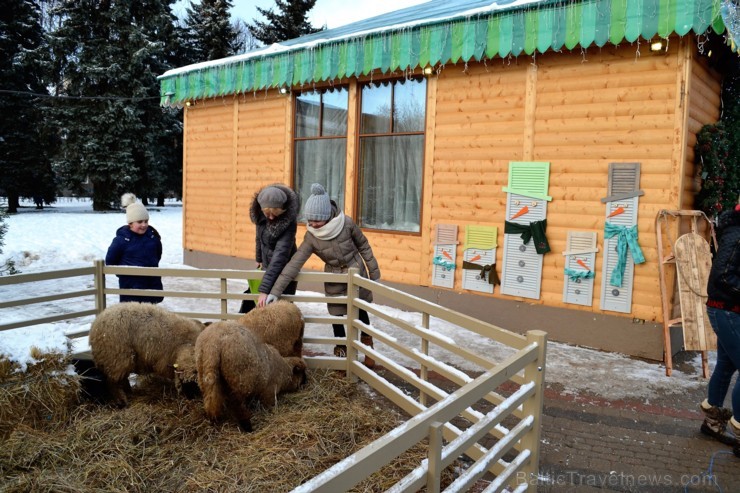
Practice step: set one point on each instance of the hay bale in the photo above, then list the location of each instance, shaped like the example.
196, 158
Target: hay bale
162, 442
43, 397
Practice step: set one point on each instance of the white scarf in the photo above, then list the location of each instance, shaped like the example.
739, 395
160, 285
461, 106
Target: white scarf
330, 230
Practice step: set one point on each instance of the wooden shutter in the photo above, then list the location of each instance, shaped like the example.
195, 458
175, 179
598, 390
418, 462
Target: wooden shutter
522, 270
624, 192
480, 248
529, 178
581, 245
445, 250
624, 182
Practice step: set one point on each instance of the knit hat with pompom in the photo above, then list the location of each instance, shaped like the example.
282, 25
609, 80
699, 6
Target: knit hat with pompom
318, 205
135, 211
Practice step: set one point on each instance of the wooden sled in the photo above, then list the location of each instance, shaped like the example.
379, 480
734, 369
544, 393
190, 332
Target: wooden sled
684, 262
693, 263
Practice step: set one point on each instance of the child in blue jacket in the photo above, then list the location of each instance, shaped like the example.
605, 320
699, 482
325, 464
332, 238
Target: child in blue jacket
136, 244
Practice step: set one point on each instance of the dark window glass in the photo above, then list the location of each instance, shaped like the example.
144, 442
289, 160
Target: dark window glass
320, 142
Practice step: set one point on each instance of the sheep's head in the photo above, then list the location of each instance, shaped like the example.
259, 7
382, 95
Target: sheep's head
298, 378
186, 373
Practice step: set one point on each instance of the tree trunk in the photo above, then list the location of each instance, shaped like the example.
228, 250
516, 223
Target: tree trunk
13, 202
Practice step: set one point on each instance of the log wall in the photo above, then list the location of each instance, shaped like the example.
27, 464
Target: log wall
578, 111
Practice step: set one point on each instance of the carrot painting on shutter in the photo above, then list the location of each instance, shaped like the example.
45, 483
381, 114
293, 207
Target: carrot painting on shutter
580, 263
445, 253
479, 266
526, 203
621, 212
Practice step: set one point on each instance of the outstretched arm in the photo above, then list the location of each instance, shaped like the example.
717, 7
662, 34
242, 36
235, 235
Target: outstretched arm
366, 252
292, 268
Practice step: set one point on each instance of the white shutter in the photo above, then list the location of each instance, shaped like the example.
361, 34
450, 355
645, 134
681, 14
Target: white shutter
480, 249
522, 270
581, 246
445, 253
613, 298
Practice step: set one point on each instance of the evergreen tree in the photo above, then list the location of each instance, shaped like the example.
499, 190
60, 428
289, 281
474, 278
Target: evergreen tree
290, 22
25, 169
210, 34
717, 148
8, 267
114, 134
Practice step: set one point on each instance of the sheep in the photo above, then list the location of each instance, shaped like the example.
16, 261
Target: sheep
279, 324
234, 367
143, 338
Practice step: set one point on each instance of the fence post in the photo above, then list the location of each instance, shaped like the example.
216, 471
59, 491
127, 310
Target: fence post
423, 369
353, 313
434, 456
99, 285
534, 372
224, 300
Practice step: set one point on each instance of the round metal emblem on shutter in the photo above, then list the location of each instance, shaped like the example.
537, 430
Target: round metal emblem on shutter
522, 248
615, 292
519, 279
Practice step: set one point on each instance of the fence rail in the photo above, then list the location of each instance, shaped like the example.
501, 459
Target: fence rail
487, 415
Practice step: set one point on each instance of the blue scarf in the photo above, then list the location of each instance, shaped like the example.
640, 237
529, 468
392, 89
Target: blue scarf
574, 275
626, 237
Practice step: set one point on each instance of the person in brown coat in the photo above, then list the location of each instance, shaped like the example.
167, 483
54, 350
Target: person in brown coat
339, 242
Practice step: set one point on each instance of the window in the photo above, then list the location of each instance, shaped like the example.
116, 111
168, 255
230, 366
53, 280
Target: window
320, 142
391, 153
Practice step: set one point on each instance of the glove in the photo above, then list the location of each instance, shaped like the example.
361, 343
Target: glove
271, 298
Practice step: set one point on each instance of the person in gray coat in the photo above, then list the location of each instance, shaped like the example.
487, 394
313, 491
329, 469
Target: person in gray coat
339, 242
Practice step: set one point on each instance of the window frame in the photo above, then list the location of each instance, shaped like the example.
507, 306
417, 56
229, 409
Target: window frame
357, 206
320, 137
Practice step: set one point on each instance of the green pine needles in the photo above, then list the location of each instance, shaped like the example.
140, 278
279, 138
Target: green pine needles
717, 152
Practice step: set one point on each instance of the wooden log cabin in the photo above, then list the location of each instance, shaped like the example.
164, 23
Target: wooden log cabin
454, 131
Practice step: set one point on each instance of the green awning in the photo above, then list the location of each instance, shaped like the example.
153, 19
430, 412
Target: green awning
523, 30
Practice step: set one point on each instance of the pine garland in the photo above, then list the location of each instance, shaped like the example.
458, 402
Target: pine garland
717, 152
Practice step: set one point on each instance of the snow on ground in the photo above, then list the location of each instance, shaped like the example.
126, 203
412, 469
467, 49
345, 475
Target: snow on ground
69, 234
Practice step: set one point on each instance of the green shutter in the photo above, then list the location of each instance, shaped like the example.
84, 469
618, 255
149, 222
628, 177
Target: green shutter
530, 178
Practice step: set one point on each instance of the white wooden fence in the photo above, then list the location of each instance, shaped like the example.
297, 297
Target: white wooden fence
488, 413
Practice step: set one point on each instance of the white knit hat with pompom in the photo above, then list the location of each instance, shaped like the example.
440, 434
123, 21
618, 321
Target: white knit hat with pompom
135, 211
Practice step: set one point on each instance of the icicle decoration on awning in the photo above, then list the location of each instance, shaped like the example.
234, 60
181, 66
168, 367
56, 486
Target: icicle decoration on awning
500, 30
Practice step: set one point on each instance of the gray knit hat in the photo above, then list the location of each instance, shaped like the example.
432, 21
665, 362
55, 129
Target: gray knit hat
135, 211
272, 198
318, 205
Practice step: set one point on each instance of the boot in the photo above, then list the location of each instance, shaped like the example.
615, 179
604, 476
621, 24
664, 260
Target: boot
368, 341
715, 423
735, 425
340, 351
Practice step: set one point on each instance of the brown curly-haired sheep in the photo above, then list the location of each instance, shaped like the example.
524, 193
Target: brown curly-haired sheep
279, 324
235, 367
143, 338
